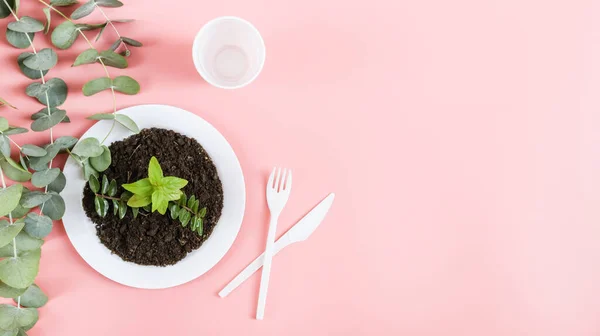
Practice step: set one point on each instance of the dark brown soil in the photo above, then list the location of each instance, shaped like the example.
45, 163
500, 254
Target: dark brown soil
152, 238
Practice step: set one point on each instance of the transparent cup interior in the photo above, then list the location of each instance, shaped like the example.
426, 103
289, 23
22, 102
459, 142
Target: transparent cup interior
230, 52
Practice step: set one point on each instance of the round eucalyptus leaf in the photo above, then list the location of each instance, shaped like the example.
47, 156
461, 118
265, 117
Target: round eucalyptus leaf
9, 231
26, 24
41, 163
102, 161
9, 167
33, 150
102, 116
48, 16
10, 292
34, 198
4, 145
109, 3
88, 147
48, 121
14, 332
15, 130
19, 40
12, 317
126, 85
58, 184
65, 142
86, 57
131, 42
33, 297
42, 178
111, 58
45, 59
96, 85
38, 226
62, 3
24, 243
29, 73
20, 272
88, 170
19, 211
54, 207
5, 11
57, 92
45, 112
64, 35
83, 10
9, 198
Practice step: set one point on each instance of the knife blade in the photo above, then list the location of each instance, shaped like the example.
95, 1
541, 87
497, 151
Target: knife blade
299, 232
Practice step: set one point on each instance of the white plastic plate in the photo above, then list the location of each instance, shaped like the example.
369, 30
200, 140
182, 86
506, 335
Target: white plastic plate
82, 232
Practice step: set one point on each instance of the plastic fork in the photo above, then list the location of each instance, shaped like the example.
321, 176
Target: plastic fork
278, 192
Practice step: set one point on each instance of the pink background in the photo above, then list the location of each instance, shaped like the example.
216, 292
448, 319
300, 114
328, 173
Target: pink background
461, 138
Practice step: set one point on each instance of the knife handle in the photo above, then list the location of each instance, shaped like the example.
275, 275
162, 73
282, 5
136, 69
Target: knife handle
253, 267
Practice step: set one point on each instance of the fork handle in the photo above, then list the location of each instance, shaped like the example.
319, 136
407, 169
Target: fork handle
266, 271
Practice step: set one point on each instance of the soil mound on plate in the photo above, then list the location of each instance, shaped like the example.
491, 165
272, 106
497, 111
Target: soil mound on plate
152, 238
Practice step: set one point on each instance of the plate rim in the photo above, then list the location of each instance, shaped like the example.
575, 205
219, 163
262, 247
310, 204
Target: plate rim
234, 164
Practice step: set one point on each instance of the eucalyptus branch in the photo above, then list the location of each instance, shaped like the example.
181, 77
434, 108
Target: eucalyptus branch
109, 21
10, 219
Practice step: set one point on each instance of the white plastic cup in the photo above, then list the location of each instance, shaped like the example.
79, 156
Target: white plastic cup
229, 52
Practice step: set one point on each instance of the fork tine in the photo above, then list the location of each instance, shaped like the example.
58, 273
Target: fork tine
271, 179
288, 182
282, 183
277, 179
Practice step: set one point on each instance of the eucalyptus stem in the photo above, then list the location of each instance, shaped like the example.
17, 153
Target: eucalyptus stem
111, 24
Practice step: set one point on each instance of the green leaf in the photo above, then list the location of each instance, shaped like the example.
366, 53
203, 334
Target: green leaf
101, 205
184, 218
200, 228
83, 10
142, 187
34, 198
58, 184
33, 150
101, 32
9, 231
195, 206
159, 202
88, 147
62, 3
9, 292
41, 163
20, 272
3, 124
127, 122
116, 44
112, 188
131, 42
38, 226
174, 183
48, 16
88, 27
122, 209
94, 184
26, 25
109, 3
182, 200
174, 210
137, 201
14, 332
54, 207
15, 130
135, 212
5, 11
191, 201
88, 170
18, 175
48, 121
155, 173
105, 184
115, 207
102, 161
29, 73
64, 35
55, 89
45, 59
4, 146
101, 116
126, 85
19, 40
24, 243
111, 58
33, 297
148, 207
193, 224
96, 85
65, 142
89, 56
12, 317
9, 198
202, 212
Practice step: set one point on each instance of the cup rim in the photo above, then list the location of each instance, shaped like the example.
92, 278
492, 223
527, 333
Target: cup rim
197, 62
